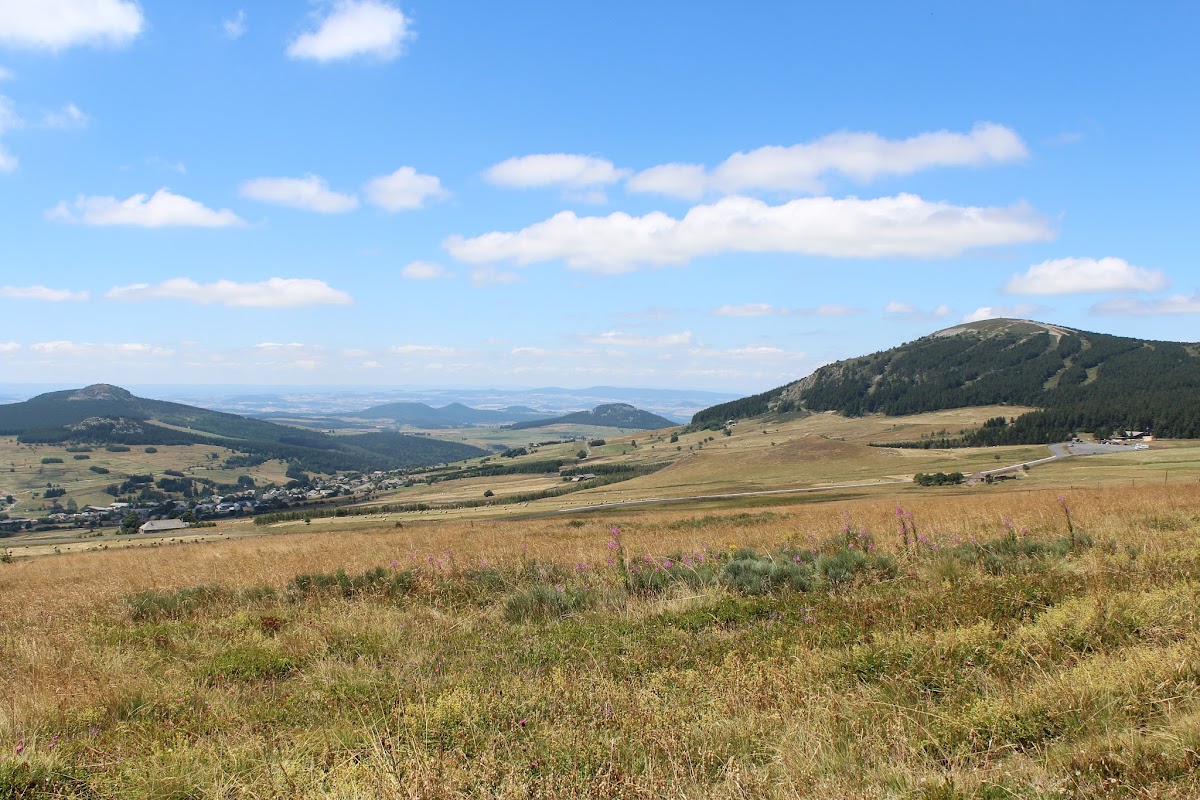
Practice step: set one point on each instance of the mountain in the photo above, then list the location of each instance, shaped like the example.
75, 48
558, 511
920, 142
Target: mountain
1081, 381
103, 413
454, 415
610, 415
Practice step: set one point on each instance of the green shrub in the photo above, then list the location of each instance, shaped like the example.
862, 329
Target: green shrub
52, 460
751, 574
649, 577
543, 602
155, 605
378, 582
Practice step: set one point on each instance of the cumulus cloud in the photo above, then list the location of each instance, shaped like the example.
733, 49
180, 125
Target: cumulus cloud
425, 271
1128, 306
1019, 311
58, 24
235, 26
355, 28
688, 181
404, 189
579, 175
490, 276
310, 192
9, 347
1084, 275
163, 209
901, 226
859, 156
271, 293
41, 293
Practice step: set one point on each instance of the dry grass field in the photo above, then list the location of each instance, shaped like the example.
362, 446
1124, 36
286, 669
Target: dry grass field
1025, 643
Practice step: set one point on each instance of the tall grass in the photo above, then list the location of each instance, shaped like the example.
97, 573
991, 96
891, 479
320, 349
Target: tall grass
809, 651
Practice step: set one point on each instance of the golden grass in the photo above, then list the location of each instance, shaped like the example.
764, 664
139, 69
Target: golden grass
1088, 687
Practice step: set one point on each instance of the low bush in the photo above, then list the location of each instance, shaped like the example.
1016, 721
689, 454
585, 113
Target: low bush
156, 605
378, 582
543, 602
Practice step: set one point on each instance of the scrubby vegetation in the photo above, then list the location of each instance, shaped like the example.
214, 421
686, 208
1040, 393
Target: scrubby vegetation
955, 647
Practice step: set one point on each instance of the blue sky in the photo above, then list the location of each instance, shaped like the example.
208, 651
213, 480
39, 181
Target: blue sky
703, 195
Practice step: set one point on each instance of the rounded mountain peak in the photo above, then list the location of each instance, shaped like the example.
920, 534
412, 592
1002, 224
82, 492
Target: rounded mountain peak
101, 391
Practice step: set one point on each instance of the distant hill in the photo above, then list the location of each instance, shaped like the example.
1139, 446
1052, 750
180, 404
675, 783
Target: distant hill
103, 413
1081, 381
454, 415
611, 415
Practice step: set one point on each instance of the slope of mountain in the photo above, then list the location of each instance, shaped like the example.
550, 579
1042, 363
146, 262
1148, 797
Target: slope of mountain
611, 415
103, 413
454, 415
1082, 381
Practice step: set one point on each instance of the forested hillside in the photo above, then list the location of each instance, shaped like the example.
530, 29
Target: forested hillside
1081, 381
612, 415
104, 414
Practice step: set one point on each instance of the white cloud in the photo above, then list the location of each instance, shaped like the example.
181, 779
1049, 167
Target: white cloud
356, 28
766, 309
422, 350
6, 74
563, 170
310, 192
65, 348
279, 345
900, 226
160, 210
859, 156
1019, 311
831, 310
404, 189
622, 339
490, 276
271, 293
9, 347
1084, 275
69, 116
8, 121
746, 310
1128, 306
901, 308
688, 181
57, 24
425, 271
235, 26
41, 293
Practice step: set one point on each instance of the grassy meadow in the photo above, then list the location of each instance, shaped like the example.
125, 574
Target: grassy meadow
1029, 643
